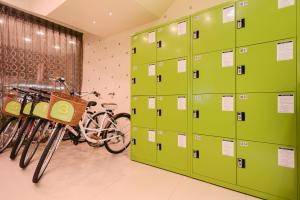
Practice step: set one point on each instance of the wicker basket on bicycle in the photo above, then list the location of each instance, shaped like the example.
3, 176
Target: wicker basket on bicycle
11, 106
66, 109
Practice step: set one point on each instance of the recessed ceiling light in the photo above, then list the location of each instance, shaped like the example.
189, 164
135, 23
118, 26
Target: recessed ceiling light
94, 22
27, 39
40, 33
110, 13
72, 42
56, 47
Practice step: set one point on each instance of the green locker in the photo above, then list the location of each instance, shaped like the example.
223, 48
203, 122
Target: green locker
172, 150
173, 40
172, 113
214, 157
214, 72
143, 79
207, 26
267, 168
143, 111
267, 117
172, 77
267, 67
214, 115
143, 48
262, 21
143, 145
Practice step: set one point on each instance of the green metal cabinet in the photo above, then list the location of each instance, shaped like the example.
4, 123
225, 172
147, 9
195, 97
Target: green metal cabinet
143, 48
172, 113
172, 150
261, 21
214, 157
267, 117
214, 72
143, 79
143, 145
214, 114
209, 24
172, 77
143, 111
173, 40
260, 168
267, 67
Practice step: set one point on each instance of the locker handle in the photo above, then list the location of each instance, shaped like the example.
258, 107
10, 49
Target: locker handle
134, 50
159, 44
158, 78
159, 112
241, 163
241, 116
196, 113
196, 74
196, 34
134, 110
241, 23
159, 146
241, 69
133, 81
133, 141
196, 154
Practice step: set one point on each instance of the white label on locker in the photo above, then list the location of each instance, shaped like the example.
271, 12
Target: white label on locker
181, 140
228, 103
151, 37
151, 103
181, 28
181, 66
227, 59
286, 104
134, 129
160, 98
243, 97
197, 58
151, 136
160, 30
243, 50
151, 70
243, 3
285, 3
198, 137
228, 148
286, 157
197, 18
228, 14
181, 103
285, 51
243, 144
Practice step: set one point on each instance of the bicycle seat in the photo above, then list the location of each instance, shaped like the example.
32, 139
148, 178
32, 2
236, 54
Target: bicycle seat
92, 103
109, 106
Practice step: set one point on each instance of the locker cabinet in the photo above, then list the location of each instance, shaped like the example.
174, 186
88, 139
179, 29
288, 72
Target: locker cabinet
143, 145
207, 26
172, 113
214, 114
172, 77
267, 117
214, 157
143, 79
143, 111
214, 72
263, 21
143, 48
267, 67
173, 40
268, 168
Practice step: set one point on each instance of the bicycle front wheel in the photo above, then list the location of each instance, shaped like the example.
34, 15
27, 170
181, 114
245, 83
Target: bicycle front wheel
8, 132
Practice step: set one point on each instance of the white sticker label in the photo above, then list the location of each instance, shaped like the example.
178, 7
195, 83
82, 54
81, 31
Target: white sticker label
286, 157
286, 104
181, 103
151, 136
228, 148
227, 103
285, 51
181, 66
151, 37
243, 3
151, 70
181, 140
285, 3
228, 14
151, 103
181, 28
227, 59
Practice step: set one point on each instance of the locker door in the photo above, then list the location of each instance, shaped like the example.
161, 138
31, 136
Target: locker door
143, 145
143, 111
214, 157
267, 168
172, 113
214, 72
267, 117
172, 77
268, 67
173, 40
172, 150
207, 26
214, 114
143, 79
263, 21
143, 48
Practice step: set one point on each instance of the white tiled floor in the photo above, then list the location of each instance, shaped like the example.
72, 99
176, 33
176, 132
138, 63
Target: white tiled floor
84, 173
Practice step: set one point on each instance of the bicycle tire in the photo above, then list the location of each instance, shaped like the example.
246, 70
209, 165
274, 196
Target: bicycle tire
101, 135
12, 133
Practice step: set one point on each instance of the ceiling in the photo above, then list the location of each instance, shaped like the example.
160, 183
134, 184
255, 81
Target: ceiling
99, 17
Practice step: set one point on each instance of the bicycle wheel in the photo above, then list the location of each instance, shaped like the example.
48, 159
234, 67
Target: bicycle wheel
48, 152
33, 142
8, 132
95, 123
118, 134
